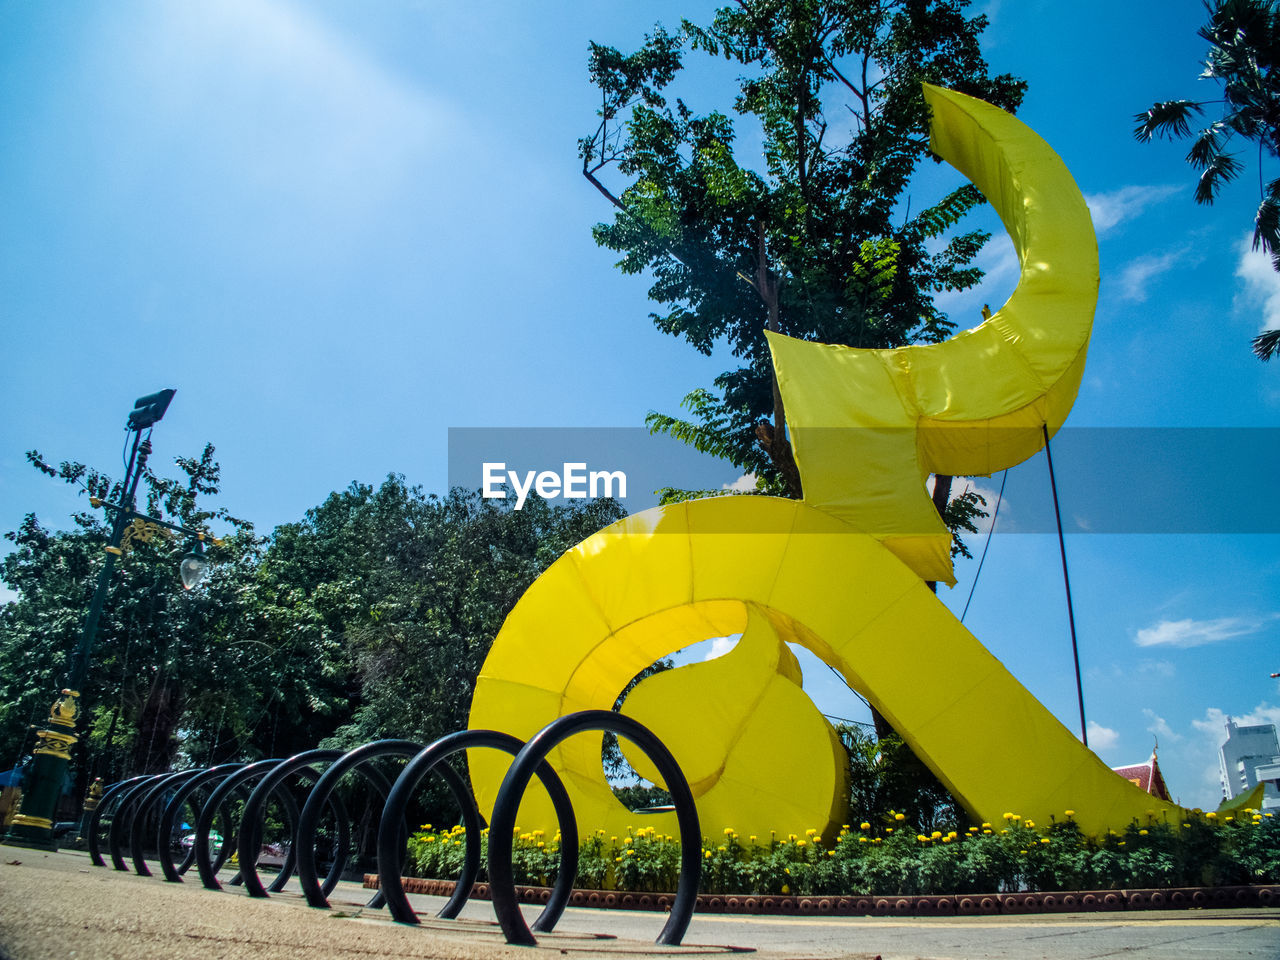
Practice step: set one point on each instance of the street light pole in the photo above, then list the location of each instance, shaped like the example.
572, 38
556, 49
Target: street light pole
33, 825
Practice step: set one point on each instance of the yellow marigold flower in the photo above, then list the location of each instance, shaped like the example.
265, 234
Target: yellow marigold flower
1142, 833
862, 839
706, 854
876, 840
722, 848
1070, 813
811, 832
888, 829
1186, 826
1030, 823
1229, 819
728, 831
430, 840
922, 838
1044, 840
987, 832
541, 845
788, 871
1022, 851
936, 834
899, 816
791, 836
1008, 815
752, 838
831, 853
986, 826
617, 859
865, 826
801, 843
1211, 815
626, 842
786, 888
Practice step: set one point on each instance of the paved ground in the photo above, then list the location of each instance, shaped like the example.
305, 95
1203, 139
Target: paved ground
60, 906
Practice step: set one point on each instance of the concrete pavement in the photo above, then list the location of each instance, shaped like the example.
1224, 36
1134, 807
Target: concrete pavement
60, 906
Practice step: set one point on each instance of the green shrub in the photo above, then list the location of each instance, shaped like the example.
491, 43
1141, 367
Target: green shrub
891, 859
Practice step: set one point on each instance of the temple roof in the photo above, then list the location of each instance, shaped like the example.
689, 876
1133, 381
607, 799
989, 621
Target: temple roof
1146, 776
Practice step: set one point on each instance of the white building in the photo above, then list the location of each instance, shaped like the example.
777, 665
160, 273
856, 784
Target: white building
1251, 755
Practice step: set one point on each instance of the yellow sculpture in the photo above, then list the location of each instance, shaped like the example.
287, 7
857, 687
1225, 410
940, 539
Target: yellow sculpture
840, 573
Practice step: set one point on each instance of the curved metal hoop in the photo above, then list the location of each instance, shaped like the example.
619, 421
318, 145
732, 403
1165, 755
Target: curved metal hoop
249, 836
391, 845
106, 805
164, 830
357, 760
145, 811
122, 819
205, 864
502, 887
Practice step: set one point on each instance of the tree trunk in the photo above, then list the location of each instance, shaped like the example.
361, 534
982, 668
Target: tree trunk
941, 497
156, 730
773, 436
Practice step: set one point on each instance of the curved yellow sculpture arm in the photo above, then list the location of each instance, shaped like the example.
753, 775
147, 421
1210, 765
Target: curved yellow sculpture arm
869, 425
841, 573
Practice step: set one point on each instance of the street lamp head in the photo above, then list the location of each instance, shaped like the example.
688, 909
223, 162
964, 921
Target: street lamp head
193, 566
149, 409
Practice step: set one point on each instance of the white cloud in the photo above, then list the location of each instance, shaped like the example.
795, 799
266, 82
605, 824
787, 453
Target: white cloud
1262, 283
721, 645
1137, 275
1115, 207
1156, 668
267, 98
1197, 633
1100, 737
1160, 727
1214, 723
745, 483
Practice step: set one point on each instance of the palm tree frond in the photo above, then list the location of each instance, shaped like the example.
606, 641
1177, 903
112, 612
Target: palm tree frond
1171, 119
1267, 345
1217, 171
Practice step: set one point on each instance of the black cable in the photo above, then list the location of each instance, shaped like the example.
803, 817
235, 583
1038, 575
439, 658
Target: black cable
1071, 616
983, 559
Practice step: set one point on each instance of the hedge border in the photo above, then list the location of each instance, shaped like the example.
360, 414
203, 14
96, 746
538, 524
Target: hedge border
965, 904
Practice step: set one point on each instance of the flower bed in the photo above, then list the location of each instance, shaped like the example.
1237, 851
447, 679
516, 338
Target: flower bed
889, 860
1073, 901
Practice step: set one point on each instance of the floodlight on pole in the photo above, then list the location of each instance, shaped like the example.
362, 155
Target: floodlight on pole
33, 825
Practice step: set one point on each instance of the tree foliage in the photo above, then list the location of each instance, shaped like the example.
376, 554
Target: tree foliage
157, 647
1243, 54
370, 617
788, 211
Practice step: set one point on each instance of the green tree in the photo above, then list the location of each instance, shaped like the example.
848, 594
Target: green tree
885, 777
442, 574
161, 658
1244, 51
802, 225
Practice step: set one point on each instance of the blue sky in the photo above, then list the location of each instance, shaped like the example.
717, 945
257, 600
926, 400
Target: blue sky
339, 229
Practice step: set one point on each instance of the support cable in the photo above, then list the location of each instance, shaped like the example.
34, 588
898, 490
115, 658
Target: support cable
995, 514
1066, 579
